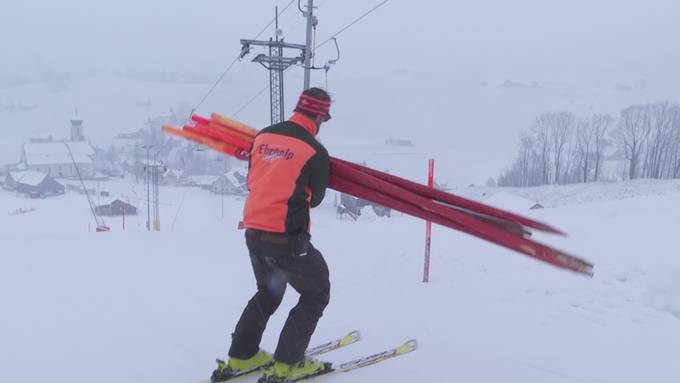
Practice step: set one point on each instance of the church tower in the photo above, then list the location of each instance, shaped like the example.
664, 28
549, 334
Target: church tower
77, 128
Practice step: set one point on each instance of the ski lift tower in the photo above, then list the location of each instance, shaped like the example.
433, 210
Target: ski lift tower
276, 63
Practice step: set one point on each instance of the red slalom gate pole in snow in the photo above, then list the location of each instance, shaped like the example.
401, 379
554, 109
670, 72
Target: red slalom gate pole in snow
428, 225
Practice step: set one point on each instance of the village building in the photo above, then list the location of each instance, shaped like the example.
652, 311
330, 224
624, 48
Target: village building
204, 181
41, 138
60, 159
33, 184
116, 208
397, 141
172, 176
232, 182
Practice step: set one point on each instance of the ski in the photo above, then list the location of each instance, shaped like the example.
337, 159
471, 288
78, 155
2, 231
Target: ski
347, 339
352, 365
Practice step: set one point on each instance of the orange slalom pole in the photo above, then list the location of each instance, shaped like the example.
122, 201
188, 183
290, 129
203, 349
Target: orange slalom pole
233, 124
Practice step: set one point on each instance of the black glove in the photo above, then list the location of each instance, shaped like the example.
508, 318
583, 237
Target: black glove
300, 244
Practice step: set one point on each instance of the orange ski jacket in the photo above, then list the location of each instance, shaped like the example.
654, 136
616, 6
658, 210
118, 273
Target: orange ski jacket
288, 174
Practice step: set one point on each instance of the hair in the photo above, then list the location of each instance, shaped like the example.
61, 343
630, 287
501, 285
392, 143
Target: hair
315, 92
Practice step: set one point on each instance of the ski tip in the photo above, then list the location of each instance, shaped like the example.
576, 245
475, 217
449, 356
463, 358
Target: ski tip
408, 346
351, 337
354, 335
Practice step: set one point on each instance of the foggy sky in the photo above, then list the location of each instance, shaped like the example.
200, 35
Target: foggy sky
542, 39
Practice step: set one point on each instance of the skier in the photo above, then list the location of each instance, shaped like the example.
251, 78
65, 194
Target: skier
288, 174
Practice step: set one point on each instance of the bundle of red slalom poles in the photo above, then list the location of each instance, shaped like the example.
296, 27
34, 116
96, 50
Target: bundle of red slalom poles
489, 223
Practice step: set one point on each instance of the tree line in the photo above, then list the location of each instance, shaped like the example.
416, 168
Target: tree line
561, 148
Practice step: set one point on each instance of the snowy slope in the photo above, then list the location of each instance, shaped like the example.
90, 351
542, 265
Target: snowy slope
137, 307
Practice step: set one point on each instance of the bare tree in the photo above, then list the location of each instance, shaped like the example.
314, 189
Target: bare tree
585, 142
541, 131
561, 125
542, 152
521, 173
559, 148
570, 166
600, 125
674, 157
634, 128
525, 160
661, 120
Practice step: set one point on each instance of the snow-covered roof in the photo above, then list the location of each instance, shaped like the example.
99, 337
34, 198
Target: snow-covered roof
399, 141
107, 201
30, 178
41, 138
176, 173
205, 179
51, 153
511, 202
153, 163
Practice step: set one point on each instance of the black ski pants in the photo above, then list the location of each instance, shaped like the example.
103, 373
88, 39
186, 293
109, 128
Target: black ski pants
279, 260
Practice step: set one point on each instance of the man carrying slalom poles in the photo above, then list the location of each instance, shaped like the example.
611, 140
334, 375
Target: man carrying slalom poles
288, 175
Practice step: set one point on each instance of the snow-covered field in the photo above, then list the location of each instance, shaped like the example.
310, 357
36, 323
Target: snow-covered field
131, 306
460, 80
